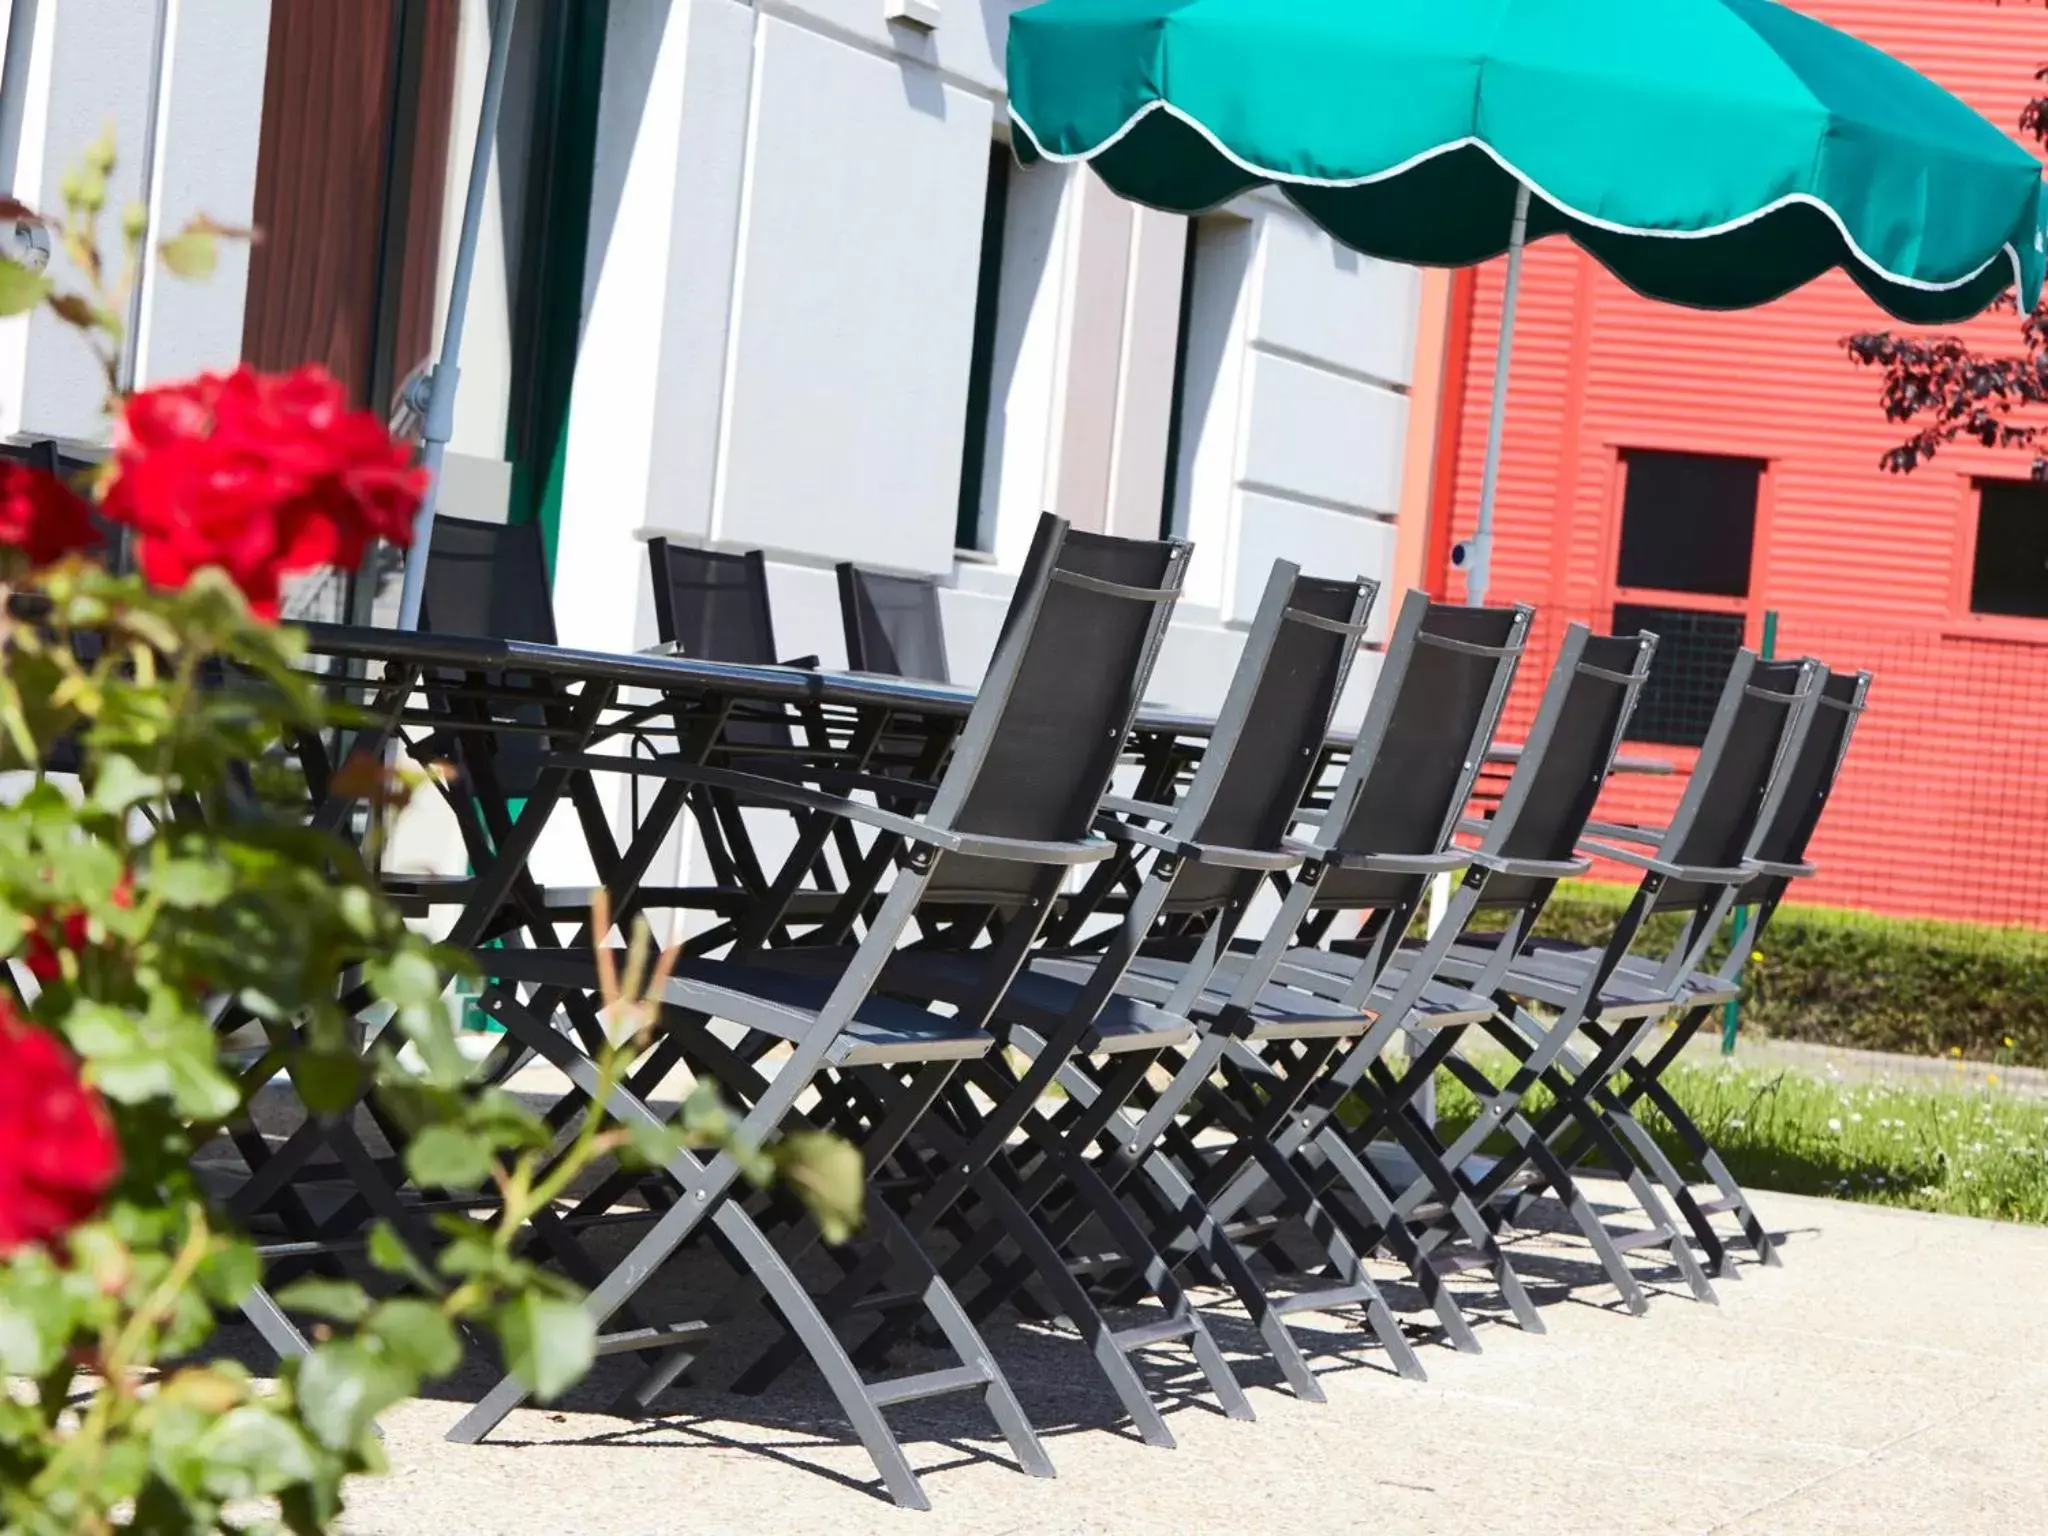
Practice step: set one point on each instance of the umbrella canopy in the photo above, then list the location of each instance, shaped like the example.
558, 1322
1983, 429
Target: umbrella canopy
1714, 153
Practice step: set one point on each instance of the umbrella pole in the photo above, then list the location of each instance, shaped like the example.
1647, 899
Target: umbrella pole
1480, 556
437, 405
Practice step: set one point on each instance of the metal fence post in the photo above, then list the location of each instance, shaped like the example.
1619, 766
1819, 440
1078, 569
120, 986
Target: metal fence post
1731, 1011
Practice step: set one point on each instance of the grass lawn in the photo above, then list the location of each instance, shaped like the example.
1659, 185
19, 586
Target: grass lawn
1981, 1153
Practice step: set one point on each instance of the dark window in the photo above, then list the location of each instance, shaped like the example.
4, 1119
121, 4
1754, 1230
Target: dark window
1694, 652
2011, 571
1688, 522
969, 531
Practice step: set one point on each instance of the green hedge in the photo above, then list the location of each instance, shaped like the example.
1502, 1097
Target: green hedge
1880, 983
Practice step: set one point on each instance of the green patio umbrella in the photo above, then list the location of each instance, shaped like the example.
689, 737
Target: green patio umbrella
1714, 153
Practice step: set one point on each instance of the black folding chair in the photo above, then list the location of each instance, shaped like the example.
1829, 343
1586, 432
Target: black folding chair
893, 624
1008, 820
1524, 848
1204, 859
1387, 832
1779, 855
1690, 869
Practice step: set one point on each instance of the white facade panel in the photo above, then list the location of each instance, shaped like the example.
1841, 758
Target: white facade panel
1323, 543
1324, 301
1323, 436
854, 310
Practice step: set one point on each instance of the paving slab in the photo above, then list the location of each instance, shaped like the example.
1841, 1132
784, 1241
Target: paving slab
1892, 1376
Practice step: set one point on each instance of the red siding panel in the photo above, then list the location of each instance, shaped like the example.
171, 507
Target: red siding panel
1944, 811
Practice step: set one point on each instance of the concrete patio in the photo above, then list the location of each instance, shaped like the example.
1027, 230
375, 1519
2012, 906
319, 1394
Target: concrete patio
1892, 1376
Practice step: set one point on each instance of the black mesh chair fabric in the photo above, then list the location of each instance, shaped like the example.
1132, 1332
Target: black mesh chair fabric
1811, 775
490, 581
893, 624
1572, 766
1413, 786
1268, 774
1062, 727
1738, 778
712, 603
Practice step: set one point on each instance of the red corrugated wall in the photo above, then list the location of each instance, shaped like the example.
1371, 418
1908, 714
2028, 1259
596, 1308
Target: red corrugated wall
1944, 811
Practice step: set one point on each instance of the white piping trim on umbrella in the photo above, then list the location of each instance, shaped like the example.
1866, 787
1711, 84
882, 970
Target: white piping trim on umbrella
1286, 178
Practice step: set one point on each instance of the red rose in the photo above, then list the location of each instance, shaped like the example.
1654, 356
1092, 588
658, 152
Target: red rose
40, 953
42, 516
58, 1155
263, 475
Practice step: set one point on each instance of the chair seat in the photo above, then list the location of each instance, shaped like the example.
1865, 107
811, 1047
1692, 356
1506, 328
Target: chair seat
1554, 974
1281, 1013
1040, 999
1698, 989
1441, 1006
776, 1001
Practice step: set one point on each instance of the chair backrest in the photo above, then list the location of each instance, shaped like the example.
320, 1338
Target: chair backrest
1566, 757
713, 603
1738, 778
488, 580
1270, 733
893, 624
1068, 675
1442, 685
1838, 702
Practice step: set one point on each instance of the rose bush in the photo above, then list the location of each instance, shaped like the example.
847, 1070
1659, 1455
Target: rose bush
262, 477
161, 886
58, 1156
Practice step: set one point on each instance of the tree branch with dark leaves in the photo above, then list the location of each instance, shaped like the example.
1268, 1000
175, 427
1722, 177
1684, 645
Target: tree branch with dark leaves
1947, 391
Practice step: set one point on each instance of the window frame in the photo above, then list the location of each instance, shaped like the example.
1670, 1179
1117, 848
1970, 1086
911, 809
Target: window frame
1964, 621
1751, 608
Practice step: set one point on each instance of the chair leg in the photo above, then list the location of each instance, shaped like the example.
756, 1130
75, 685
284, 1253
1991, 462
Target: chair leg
706, 1197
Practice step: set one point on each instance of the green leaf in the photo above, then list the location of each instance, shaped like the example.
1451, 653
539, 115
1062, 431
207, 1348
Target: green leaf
191, 884
448, 1157
419, 1334
20, 289
549, 1343
230, 1272
408, 980
654, 1145
825, 1173
341, 1300
120, 784
36, 1316
328, 1082
389, 1253
251, 1451
342, 1387
199, 1088
191, 255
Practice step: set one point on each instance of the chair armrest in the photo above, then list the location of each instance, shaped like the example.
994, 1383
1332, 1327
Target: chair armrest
1532, 869
1447, 862
1784, 871
1271, 860
1201, 853
1018, 850
1150, 809
1700, 874
761, 787
1648, 836
1014, 850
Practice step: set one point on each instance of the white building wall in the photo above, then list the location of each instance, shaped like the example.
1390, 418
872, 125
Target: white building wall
778, 316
